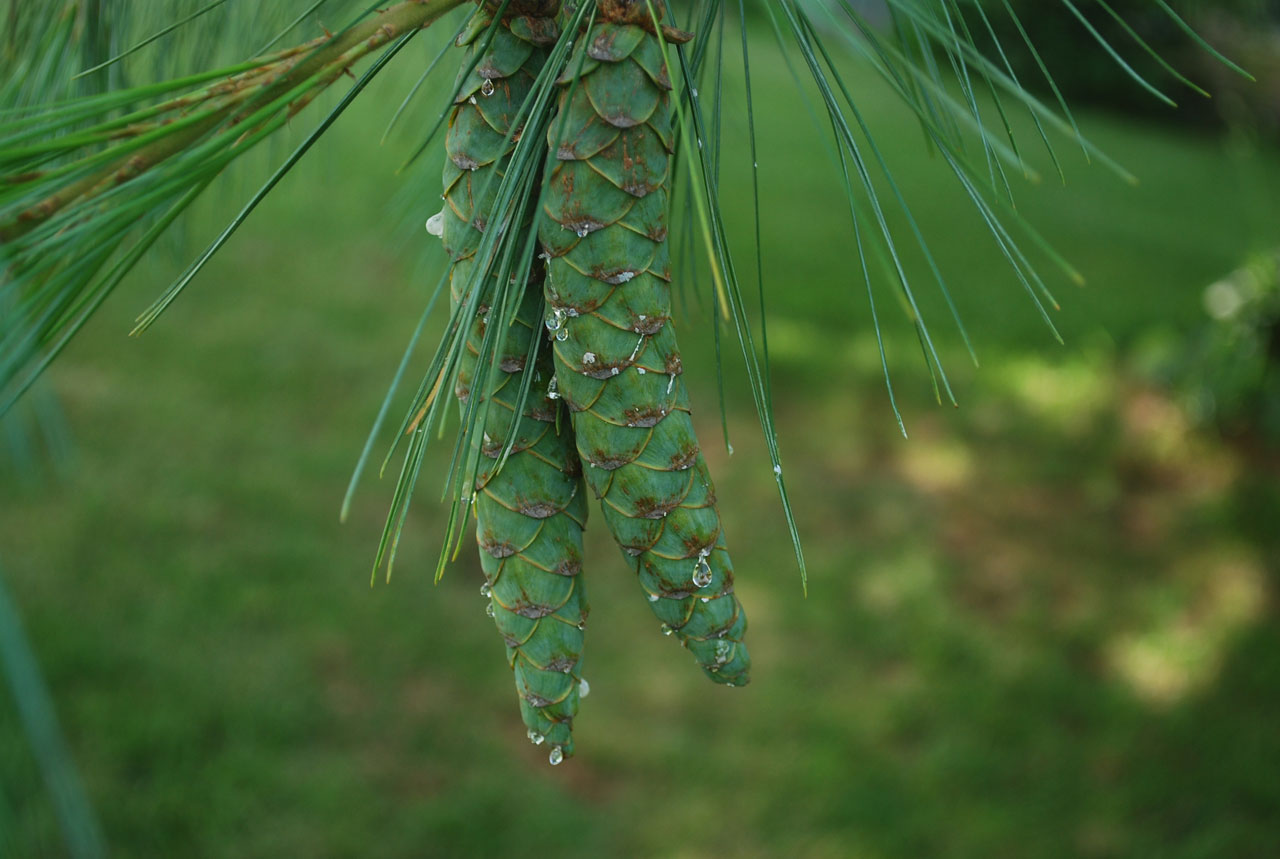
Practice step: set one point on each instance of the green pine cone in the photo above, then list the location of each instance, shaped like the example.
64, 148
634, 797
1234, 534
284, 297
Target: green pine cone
530, 514
604, 228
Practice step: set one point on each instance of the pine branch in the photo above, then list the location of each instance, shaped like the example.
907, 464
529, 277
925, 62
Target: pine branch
77, 178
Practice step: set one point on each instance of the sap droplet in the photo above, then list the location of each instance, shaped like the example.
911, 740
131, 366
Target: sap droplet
573, 312
702, 572
625, 276
435, 224
777, 469
671, 383
582, 232
613, 372
486, 590
588, 357
694, 92
544, 256
653, 597
488, 609
552, 389
555, 319
556, 756
473, 101
730, 447
723, 650
486, 88
582, 624
562, 335
584, 688
535, 737
666, 629
641, 370
706, 599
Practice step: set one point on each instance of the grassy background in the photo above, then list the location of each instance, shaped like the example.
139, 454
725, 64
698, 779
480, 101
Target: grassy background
1043, 626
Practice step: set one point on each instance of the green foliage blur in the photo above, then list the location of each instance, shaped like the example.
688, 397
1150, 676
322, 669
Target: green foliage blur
1247, 31
1229, 375
1045, 625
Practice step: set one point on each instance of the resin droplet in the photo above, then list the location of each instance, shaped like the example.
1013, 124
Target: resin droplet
553, 392
562, 334
486, 88
777, 469
582, 232
588, 357
535, 737
724, 650
435, 224
584, 688
556, 756
488, 609
653, 597
702, 573
666, 629
486, 590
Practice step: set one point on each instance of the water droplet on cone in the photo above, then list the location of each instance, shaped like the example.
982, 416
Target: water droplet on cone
702, 572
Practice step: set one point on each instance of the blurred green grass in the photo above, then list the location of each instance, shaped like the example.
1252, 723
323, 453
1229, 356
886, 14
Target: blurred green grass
1044, 626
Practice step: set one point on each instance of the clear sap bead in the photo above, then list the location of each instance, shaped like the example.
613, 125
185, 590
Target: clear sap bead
488, 609
553, 392
486, 590
486, 88
702, 572
582, 232
584, 688
556, 756
666, 629
653, 597
535, 737
562, 335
